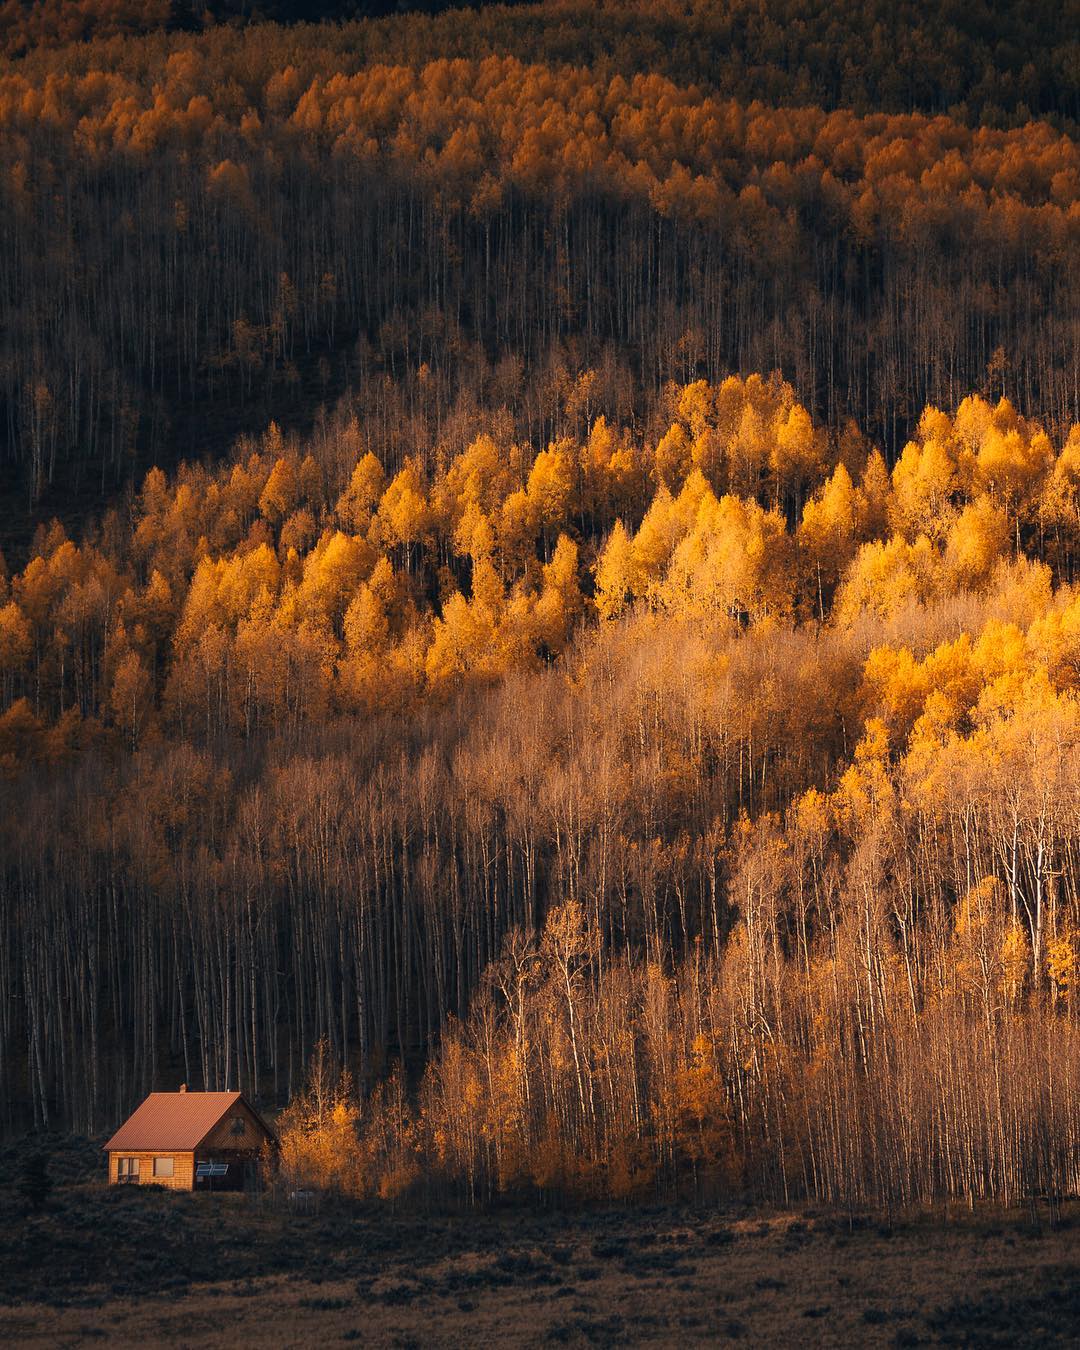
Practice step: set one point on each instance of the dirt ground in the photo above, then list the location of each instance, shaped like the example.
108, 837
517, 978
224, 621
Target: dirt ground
624, 1278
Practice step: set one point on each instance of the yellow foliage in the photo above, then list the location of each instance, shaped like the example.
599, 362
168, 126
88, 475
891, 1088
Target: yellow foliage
672, 458
977, 540
560, 602
130, 695
614, 574
886, 575
356, 505
894, 687
317, 1133
281, 493
1063, 964
549, 488
925, 482
20, 734
866, 792
14, 638
735, 558
1015, 958
404, 515
332, 573
798, 454
831, 526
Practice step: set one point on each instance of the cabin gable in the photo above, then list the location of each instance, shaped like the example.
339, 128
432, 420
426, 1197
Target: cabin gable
239, 1130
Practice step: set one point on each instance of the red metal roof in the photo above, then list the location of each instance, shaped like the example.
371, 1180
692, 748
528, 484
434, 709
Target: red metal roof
172, 1121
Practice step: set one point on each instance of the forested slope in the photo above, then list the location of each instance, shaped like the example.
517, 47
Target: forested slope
314, 747
625, 707
234, 217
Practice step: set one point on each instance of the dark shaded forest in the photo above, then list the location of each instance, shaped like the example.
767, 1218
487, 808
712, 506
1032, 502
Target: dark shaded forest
596, 658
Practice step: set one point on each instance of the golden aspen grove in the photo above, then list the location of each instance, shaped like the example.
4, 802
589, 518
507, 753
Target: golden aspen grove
540, 593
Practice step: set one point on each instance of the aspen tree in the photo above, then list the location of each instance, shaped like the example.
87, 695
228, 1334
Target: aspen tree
614, 574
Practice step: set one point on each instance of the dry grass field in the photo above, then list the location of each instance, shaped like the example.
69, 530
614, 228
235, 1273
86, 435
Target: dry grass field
142, 1267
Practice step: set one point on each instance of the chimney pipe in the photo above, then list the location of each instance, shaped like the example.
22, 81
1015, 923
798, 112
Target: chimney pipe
183, 1087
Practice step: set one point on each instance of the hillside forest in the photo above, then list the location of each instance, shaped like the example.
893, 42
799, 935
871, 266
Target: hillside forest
561, 661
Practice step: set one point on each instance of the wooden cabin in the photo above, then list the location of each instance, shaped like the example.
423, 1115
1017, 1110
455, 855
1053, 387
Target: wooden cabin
189, 1141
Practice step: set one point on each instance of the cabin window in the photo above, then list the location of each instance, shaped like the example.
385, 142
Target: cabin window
163, 1167
239, 1125
127, 1169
